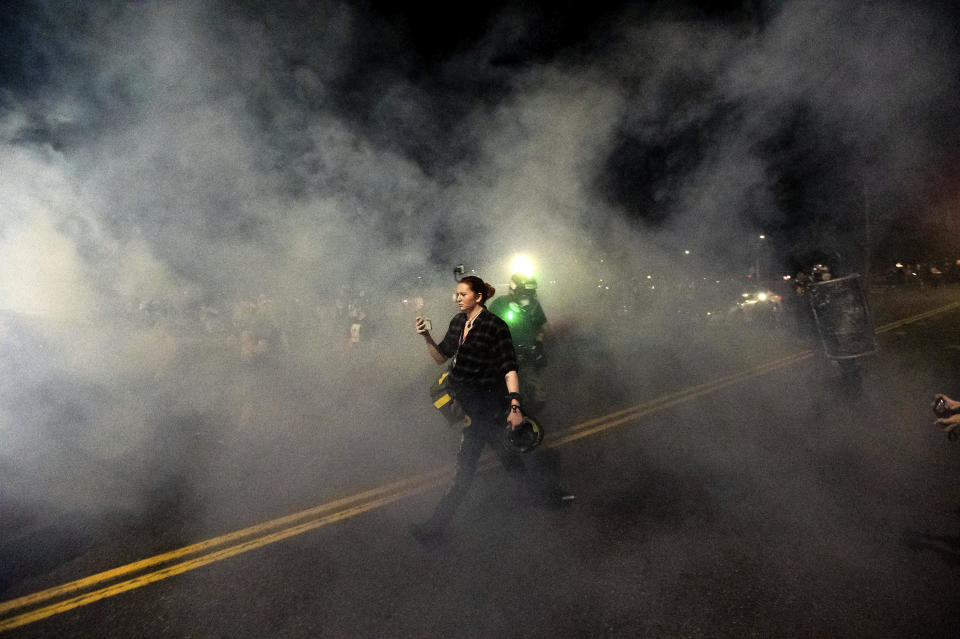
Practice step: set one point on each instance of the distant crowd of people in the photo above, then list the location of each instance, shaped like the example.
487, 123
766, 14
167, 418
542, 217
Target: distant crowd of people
258, 327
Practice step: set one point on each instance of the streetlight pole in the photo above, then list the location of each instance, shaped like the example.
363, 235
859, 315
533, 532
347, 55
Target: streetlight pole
757, 264
866, 237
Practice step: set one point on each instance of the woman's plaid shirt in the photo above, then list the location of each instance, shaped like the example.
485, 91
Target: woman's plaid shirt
485, 356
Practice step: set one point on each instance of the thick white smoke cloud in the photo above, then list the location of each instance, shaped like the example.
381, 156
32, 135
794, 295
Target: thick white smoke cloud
196, 154
193, 173
207, 146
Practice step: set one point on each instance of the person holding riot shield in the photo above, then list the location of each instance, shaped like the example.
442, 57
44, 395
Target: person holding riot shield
842, 322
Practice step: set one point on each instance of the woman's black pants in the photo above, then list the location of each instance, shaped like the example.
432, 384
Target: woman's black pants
487, 411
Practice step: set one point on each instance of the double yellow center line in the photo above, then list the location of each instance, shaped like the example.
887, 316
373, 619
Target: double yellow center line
238, 542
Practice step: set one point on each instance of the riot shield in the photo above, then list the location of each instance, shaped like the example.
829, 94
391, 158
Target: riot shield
842, 316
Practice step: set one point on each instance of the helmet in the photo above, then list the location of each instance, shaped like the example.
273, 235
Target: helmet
524, 438
821, 273
523, 285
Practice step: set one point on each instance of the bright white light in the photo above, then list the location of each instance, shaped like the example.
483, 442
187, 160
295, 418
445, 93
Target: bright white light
523, 265
686, 252
649, 277
762, 296
899, 265
762, 236
786, 277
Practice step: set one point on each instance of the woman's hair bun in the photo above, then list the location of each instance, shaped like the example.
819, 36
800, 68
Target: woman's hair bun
477, 285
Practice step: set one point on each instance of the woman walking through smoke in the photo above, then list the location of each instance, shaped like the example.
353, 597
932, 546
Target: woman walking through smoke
484, 377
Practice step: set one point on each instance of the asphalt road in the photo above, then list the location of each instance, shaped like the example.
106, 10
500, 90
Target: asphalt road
725, 485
